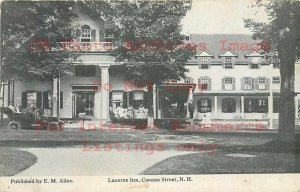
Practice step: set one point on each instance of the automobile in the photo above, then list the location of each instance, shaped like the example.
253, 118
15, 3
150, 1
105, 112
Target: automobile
30, 120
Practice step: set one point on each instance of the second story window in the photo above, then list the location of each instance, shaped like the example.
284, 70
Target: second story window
276, 80
255, 62
228, 62
188, 80
108, 36
261, 83
85, 34
204, 62
247, 83
228, 83
204, 83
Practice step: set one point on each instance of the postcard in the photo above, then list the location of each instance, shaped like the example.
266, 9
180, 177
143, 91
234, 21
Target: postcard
139, 95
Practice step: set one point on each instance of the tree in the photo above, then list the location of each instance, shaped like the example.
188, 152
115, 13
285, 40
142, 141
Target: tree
30, 31
283, 34
148, 39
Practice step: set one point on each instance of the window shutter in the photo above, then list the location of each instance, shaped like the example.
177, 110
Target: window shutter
209, 84
101, 35
256, 83
267, 83
145, 98
78, 33
125, 99
110, 98
61, 100
223, 105
45, 100
209, 105
243, 83
131, 98
233, 83
93, 34
253, 83
39, 99
223, 83
24, 99
233, 105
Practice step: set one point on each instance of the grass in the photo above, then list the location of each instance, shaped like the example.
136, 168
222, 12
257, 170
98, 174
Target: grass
220, 163
15, 161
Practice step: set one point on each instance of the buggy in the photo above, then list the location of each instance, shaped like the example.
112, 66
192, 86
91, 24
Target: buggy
29, 120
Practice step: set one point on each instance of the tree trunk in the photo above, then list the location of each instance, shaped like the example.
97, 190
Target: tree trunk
286, 52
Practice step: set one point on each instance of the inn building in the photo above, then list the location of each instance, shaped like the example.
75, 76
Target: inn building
229, 80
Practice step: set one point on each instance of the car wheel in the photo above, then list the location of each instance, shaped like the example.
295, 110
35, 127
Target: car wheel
14, 125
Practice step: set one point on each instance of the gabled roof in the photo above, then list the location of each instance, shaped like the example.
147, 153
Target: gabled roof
241, 44
254, 53
228, 53
204, 53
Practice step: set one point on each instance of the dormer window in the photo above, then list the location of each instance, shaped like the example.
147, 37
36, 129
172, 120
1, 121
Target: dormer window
228, 62
86, 35
204, 59
228, 56
254, 62
204, 62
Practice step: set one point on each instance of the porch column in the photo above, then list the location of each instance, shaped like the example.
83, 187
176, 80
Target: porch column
216, 106
190, 97
54, 97
296, 106
154, 101
270, 105
242, 106
105, 93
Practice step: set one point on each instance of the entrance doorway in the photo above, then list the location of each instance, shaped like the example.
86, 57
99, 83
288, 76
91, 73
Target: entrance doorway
83, 102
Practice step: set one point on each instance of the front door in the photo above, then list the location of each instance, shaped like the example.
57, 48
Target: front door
83, 102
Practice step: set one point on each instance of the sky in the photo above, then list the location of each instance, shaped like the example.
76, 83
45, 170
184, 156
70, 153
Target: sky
220, 17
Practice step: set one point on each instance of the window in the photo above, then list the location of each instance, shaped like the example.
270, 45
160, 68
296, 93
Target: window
247, 83
204, 62
261, 83
188, 80
85, 34
204, 83
255, 62
117, 98
228, 105
276, 105
276, 80
204, 105
85, 70
228, 62
228, 83
256, 105
39, 99
138, 98
108, 36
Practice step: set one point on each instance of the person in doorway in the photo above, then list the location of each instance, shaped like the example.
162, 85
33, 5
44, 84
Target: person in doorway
191, 108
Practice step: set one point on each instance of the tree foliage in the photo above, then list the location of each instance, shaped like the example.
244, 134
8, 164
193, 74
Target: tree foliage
283, 34
147, 36
25, 26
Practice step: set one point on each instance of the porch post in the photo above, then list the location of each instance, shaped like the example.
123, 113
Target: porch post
105, 88
154, 100
296, 106
242, 106
270, 105
54, 97
216, 106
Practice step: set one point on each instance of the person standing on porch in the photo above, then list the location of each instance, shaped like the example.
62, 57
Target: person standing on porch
191, 108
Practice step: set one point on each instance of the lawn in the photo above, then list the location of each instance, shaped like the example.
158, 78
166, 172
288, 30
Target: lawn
226, 163
14, 161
